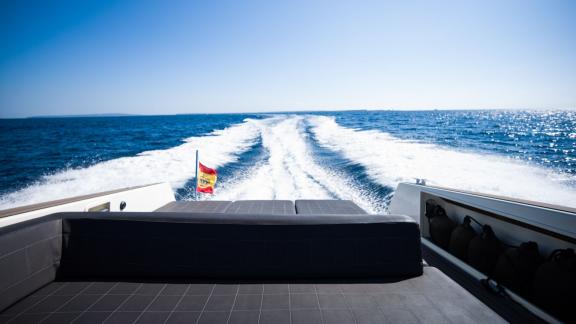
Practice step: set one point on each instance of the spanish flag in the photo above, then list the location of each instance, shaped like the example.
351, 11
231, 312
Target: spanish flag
206, 179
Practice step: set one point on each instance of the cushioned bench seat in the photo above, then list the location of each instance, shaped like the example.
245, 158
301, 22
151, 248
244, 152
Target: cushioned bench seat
262, 207
277, 207
333, 207
208, 206
241, 246
431, 298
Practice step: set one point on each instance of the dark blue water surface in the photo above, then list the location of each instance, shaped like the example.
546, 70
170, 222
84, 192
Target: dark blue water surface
39, 146
546, 138
33, 148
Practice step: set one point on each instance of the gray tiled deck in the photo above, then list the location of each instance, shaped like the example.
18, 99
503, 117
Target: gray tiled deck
431, 298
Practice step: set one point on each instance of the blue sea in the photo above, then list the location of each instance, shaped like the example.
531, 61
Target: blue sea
357, 155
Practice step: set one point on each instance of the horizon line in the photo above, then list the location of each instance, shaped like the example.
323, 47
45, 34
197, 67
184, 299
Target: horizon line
104, 115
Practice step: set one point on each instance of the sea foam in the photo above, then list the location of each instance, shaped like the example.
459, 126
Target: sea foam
175, 165
389, 161
290, 170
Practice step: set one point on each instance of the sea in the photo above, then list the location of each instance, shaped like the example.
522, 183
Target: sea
356, 155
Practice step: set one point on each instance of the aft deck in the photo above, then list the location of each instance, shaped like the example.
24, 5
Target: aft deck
430, 298
309, 261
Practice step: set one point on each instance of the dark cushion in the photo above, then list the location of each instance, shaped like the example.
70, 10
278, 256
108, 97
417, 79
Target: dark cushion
210, 206
238, 246
262, 207
333, 207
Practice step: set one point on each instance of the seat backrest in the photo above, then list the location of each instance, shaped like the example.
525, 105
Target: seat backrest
239, 246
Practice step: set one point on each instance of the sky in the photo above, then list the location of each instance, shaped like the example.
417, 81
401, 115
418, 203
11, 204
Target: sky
168, 57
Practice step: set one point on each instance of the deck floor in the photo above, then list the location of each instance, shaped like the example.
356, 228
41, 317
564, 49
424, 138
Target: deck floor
431, 298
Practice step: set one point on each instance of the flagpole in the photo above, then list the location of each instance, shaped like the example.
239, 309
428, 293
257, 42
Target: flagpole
196, 178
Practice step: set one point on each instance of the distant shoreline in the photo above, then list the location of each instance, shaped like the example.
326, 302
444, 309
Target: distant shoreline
79, 116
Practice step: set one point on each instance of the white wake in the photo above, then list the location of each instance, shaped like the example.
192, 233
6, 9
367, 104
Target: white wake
175, 165
389, 160
290, 172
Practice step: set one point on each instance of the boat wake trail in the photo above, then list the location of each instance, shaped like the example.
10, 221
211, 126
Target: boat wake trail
174, 165
289, 170
389, 160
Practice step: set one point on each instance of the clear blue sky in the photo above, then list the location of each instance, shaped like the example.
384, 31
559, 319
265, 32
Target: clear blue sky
163, 57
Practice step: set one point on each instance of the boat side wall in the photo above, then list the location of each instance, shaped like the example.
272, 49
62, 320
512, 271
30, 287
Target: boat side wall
139, 199
29, 258
513, 221
409, 200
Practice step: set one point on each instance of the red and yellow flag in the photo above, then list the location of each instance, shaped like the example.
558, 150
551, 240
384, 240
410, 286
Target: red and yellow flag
206, 179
